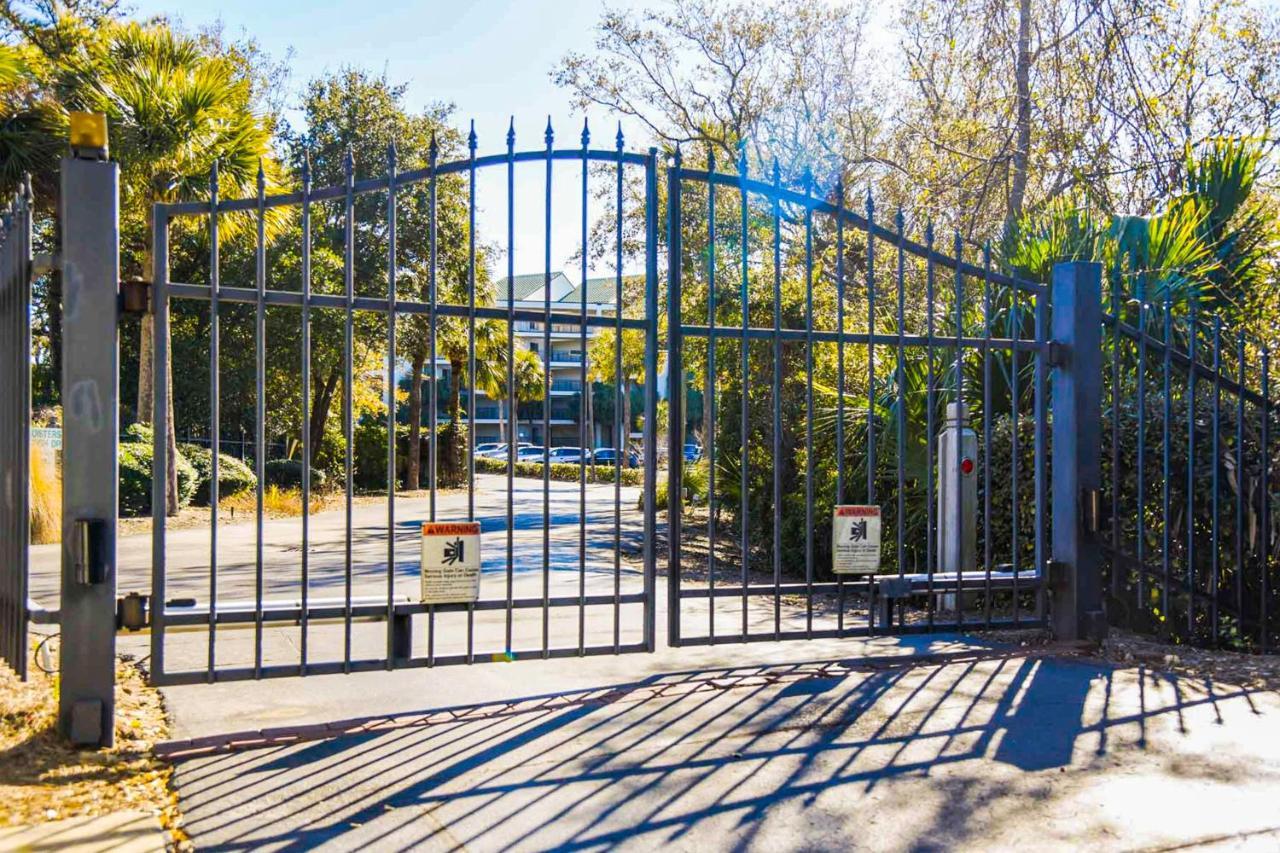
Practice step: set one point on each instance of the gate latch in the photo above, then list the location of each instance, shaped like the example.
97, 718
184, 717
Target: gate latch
1091, 501
90, 551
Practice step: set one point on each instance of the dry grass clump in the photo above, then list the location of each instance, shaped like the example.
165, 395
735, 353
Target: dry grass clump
43, 777
46, 497
276, 502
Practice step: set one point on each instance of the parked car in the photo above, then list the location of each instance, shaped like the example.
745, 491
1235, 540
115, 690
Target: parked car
692, 452
568, 455
609, 455
489, 448
530, 453
501, 453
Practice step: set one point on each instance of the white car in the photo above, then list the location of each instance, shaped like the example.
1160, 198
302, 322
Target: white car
489, 448
568, 455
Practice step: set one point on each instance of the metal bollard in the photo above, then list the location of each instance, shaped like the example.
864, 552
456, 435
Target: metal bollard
957, 497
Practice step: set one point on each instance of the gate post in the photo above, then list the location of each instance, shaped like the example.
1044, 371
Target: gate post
90, 257
1075, 575
675, 400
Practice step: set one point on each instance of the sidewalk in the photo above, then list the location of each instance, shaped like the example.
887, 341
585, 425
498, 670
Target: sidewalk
880, 744
121, 832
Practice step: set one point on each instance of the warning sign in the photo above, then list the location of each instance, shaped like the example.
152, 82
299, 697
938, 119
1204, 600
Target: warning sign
450, 562
855, 540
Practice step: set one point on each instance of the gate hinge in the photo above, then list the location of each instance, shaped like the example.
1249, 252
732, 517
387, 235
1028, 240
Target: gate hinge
43, 263
135, 297
1058, 353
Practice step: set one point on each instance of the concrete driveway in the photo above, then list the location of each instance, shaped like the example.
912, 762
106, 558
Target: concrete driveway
838, 745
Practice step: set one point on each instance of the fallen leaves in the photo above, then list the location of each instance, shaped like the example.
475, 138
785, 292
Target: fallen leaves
45, 778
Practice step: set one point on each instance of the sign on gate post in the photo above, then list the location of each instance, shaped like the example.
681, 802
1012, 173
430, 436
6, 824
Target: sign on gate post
89, 215
450, 562
855, 540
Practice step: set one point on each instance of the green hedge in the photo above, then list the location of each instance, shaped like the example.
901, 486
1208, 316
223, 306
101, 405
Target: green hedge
562, 472
234, 476
287, 474
135, 478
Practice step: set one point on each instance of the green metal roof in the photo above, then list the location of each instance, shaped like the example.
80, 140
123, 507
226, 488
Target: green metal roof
525, 285
601, 291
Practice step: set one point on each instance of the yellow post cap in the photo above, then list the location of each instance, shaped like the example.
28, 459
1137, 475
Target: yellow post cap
88, 130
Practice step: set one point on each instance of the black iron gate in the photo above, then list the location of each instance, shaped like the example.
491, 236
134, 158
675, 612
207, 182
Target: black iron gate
839, 390
562, 588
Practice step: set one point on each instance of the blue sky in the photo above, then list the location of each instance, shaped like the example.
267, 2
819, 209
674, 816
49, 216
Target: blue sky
490, 58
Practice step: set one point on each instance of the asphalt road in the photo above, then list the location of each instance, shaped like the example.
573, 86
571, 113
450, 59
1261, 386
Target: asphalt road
188, 572
543, 557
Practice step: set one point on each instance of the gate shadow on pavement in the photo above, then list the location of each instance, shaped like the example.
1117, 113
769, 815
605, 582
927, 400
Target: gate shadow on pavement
713, 751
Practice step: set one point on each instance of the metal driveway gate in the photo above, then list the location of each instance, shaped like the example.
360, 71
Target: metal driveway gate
553, 596
782, 275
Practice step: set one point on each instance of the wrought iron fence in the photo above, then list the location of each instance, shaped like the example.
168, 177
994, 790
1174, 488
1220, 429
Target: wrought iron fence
15, 427
1190, 537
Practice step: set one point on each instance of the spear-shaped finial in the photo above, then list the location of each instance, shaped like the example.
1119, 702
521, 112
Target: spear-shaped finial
839, 190
471, 138
900, 221
511, 134
349, 165
742, 157
433, 149
550, 135
777, 172
306, 168
391, 157
26, 188
262, 179
958, 243
586, 133
928, 233
807, 179
619, 139
677, 158
213, 181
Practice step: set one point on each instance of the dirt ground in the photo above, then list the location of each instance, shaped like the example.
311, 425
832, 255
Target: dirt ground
42, 778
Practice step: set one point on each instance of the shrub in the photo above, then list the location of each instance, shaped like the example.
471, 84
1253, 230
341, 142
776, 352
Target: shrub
561, 472
287, 474
696, 481
46, 497
135, 476
233, 475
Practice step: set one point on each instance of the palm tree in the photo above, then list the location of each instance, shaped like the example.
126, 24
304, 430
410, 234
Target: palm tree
176, 110
527, 383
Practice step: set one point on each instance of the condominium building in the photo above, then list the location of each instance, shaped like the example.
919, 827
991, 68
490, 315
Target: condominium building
564, 358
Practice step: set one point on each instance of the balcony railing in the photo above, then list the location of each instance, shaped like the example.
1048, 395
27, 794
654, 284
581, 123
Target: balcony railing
559, 328
566, 384
571, 357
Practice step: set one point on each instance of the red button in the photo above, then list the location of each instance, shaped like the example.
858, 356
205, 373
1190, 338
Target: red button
966, 466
